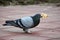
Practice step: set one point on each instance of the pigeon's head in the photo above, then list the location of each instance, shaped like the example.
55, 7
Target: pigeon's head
38, 16
44, 15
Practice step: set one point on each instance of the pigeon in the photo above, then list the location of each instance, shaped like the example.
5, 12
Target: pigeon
25, 23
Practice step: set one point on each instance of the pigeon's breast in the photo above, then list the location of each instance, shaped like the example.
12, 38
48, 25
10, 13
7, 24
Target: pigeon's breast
27, 21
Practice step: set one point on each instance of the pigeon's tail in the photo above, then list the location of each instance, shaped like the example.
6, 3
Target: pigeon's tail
4, 24
8, 23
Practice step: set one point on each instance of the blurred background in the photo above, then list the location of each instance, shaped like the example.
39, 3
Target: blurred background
48, 29
26, 2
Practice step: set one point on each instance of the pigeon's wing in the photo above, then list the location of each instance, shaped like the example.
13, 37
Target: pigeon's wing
27, 21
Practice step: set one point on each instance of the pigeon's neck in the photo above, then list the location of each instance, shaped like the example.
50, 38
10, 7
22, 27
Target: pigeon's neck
36, 20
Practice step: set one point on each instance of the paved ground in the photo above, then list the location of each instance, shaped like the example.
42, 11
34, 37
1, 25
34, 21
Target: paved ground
48, 29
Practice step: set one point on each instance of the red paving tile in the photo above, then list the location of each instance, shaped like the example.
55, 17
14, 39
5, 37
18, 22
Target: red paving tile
48, 29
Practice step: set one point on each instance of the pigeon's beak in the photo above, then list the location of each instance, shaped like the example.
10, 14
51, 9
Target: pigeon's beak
44, 15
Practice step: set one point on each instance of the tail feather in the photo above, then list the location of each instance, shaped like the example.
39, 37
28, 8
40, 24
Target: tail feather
8, 23
4, 24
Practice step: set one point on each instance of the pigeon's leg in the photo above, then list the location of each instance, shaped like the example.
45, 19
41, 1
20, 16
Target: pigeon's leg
26, 30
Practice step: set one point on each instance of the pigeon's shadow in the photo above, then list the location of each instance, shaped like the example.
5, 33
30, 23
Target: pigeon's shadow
17, 33
26, 34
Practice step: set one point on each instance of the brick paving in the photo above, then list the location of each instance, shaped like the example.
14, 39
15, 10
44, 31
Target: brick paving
48, 29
